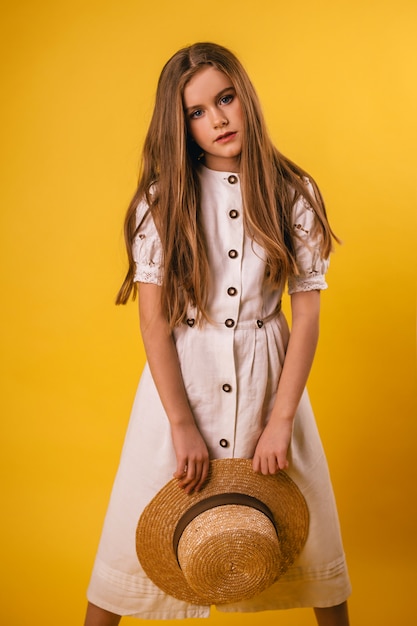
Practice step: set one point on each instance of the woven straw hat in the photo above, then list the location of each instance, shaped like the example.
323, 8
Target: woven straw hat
226, 543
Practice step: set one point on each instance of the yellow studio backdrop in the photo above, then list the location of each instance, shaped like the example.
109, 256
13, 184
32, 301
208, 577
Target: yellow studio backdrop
337, 82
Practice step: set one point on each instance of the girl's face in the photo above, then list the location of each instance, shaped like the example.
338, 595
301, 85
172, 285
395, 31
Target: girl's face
214, 118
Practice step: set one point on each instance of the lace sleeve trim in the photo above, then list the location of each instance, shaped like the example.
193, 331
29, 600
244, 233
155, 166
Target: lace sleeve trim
148, 274
296, 285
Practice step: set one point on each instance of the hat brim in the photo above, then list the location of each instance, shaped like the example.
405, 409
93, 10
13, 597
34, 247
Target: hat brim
158, 522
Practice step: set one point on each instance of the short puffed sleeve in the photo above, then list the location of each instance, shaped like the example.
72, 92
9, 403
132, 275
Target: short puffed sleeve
147, 249
311, 266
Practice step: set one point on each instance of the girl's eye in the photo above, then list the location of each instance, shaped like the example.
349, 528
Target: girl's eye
226, 99
195, 114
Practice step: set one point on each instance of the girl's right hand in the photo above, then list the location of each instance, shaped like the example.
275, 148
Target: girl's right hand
192, 457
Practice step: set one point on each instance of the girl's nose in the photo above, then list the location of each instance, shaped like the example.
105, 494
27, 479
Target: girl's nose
219, 120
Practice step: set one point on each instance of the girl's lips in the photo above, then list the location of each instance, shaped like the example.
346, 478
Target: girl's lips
226, 137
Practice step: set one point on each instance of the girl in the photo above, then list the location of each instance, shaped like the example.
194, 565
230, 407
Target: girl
220, 222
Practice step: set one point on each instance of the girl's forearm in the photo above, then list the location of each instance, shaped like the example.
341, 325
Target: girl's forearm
162, 357
300, 354
164, 365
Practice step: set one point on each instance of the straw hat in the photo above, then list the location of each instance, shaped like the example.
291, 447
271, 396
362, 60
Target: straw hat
226, 543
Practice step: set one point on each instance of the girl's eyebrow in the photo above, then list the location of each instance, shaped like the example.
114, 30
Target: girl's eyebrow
216, 97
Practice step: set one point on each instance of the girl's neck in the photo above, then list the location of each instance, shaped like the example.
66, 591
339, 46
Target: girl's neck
231, 170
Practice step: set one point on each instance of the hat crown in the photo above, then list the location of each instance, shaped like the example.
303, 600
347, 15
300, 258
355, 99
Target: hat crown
229, 552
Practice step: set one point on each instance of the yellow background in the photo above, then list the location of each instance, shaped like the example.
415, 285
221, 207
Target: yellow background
338, 85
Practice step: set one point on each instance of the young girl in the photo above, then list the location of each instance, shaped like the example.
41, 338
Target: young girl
220, 222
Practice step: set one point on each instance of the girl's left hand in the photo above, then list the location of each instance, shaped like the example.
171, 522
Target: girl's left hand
271, 451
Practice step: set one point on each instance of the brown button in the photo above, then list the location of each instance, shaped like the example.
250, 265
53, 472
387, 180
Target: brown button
233, 254
232, 291
233, 214
230, 323
227, 388
224, 443
191, 322
232, 179
260, 323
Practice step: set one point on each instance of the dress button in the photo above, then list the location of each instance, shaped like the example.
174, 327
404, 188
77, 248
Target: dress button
230, 323
224, 443
191, 322
232, 291
227, 388
233, 214
260, 323
233, 254
232, 179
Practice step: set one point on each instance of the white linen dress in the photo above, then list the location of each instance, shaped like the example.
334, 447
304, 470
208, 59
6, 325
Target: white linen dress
231, 370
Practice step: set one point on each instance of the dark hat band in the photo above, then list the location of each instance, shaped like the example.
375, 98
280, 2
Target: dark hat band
220, 499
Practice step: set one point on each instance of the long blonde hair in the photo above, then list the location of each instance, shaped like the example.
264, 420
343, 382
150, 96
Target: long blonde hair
270, 183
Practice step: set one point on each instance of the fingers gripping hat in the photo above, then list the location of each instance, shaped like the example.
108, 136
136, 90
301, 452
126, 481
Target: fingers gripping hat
226, 543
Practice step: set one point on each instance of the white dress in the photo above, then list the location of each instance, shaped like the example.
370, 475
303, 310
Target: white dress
230, 369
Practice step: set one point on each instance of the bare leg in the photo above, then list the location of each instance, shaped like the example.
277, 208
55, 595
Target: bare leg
99, 617
333, 616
